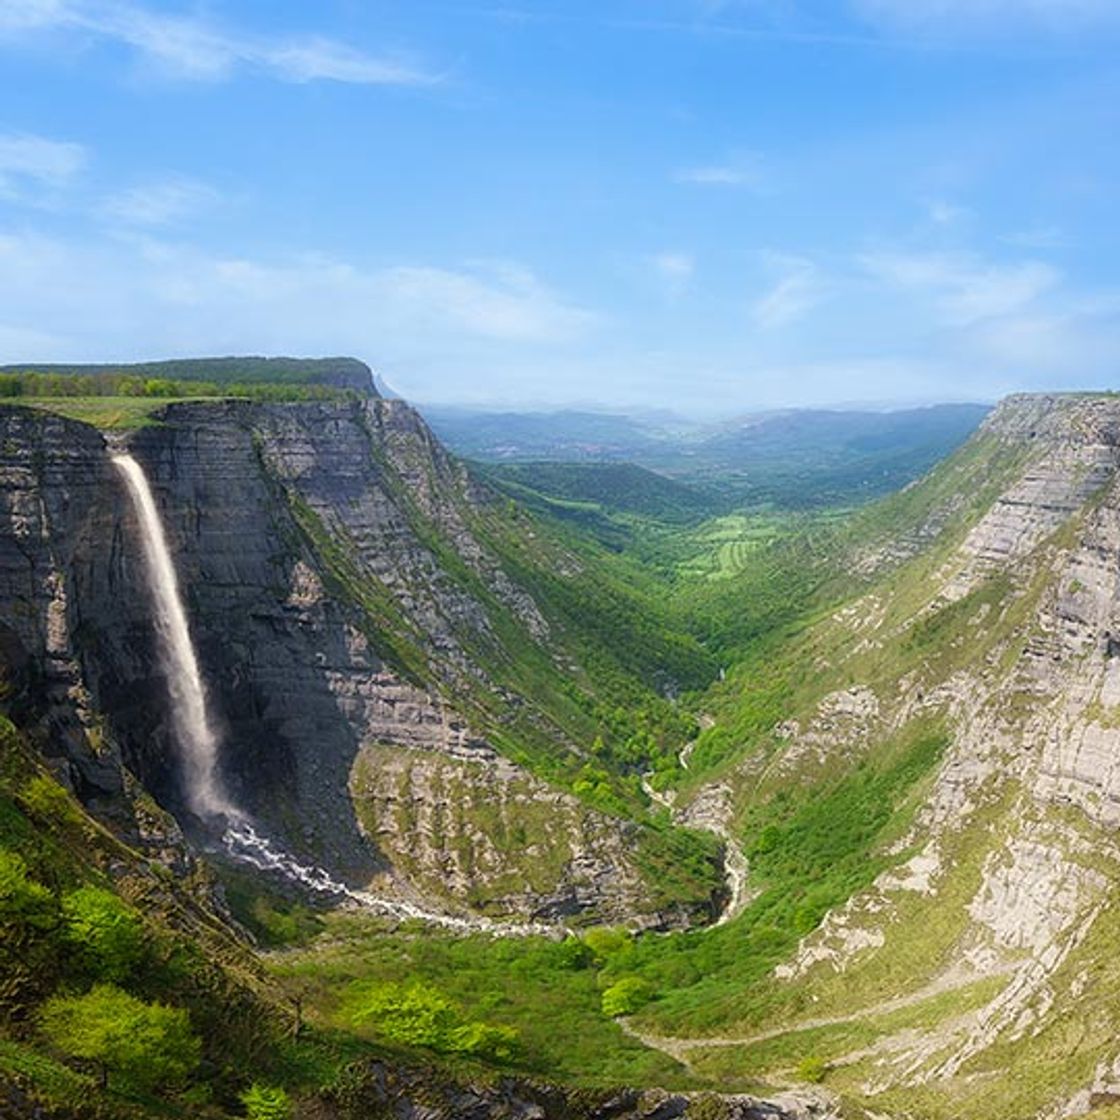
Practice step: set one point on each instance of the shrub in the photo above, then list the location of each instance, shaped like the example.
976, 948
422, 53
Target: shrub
626, 996
419, 1015
107, 935
48, 802
484, 1040
812, 1069
266, 1102
147, 1044
604, 942
23, 901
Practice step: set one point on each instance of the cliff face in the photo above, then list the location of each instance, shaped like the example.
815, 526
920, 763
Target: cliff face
342, 606
981, 966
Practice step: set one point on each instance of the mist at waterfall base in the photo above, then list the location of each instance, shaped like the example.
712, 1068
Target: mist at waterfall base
197, 743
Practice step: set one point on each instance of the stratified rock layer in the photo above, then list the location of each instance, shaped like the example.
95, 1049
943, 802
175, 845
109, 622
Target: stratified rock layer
338, 598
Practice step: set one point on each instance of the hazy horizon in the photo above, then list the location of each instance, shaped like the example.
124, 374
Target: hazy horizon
745, 204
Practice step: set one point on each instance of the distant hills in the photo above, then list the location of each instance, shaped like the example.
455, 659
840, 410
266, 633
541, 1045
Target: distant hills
791, 459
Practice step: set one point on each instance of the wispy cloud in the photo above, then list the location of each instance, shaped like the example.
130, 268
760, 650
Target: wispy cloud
1010, 18
673, 270
502, 302
740, 170
160, 202
164, 297
1039, 237
965, 288
27, 160
797, 290
186, 46
944, 213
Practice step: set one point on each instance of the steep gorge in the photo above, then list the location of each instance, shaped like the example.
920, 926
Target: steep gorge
343, 605
966, 964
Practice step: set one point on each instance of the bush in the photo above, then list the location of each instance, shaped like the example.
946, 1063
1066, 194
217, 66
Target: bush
418, 1015
147, 1044
23, 901
626, 996
48, 802
484, 1040
107, 935
265, 1102
812, 1069
604, 942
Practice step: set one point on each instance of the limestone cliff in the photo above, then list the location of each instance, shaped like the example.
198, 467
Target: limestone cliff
977, 975
344, 605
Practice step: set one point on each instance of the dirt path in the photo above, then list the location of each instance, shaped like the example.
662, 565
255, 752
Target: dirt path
679, 1048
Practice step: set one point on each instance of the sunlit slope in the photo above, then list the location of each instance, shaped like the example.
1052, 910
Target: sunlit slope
931, 768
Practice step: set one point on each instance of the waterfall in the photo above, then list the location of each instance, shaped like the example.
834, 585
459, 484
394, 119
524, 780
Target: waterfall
198, 745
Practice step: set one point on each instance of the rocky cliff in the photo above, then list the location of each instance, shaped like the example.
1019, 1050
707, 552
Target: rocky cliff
977, 974
351, 621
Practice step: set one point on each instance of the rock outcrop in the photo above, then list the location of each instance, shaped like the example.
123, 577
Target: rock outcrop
340, 597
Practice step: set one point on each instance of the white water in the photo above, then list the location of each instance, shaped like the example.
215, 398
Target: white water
247, 845
198, 745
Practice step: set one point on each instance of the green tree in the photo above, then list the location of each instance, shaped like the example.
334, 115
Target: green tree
106, 933
29, 941
416, 1015
626, 996
419, 1015
147, 1044
266, 1102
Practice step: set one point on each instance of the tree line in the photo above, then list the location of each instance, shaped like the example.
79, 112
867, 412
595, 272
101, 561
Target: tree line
34, 385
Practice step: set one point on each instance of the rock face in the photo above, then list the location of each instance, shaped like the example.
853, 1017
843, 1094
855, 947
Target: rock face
342, 606
998, 918
381, 1090
468, 825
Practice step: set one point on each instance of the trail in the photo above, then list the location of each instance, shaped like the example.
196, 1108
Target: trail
679, 1048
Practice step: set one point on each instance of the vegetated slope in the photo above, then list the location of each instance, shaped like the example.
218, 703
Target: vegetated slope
808, 458
338, 373
615, 487
94, 924
353, 591
623, 506
127, 994
923, 780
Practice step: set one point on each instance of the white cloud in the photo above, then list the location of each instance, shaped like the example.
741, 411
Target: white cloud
673, 270
156, 297
943, 213
1039, 237
188, 47
27, 160
744, 170
965, 288
1008, 17
160, 202
797, 290
509, 305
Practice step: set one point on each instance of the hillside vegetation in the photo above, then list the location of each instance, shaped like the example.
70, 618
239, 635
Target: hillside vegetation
894, 720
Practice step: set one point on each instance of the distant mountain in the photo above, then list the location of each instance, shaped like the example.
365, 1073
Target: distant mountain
568, 436
792, 459
621, 487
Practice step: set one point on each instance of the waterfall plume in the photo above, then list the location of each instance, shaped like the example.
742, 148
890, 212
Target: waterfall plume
195, 738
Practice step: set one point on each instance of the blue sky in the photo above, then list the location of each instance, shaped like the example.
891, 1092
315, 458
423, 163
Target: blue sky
706, 205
